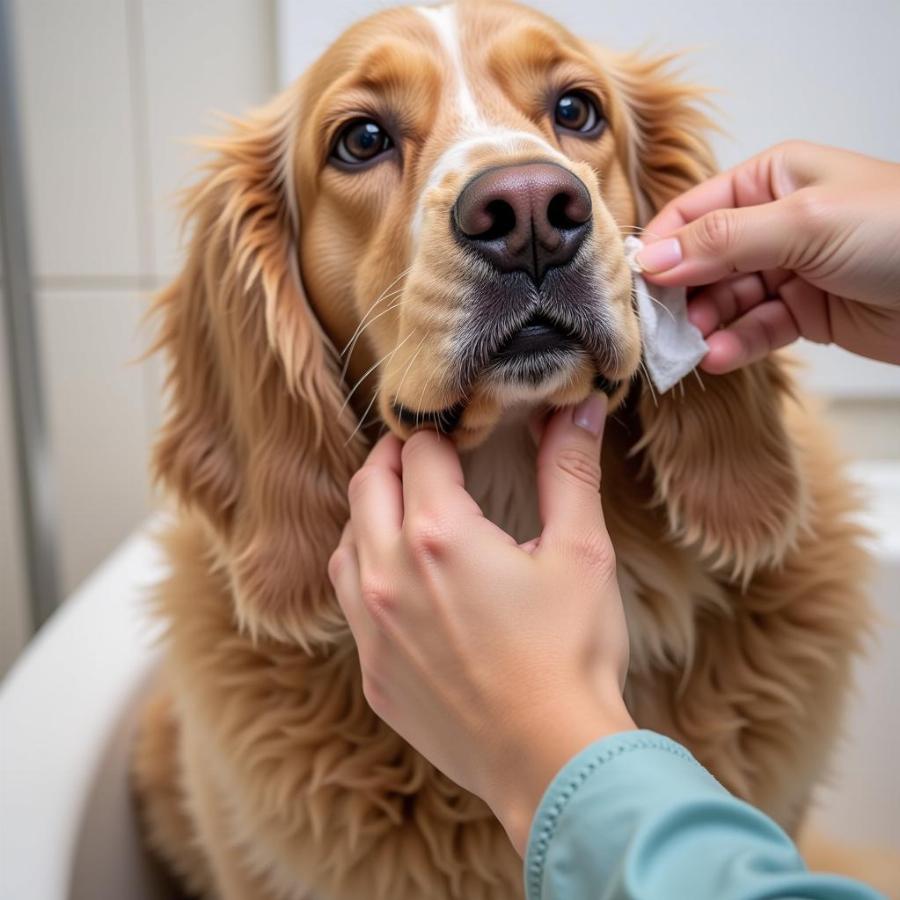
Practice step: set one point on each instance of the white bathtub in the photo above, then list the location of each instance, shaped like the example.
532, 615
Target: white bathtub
66, 719
862, 802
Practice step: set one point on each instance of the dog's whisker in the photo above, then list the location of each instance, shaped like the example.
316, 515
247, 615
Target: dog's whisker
662, 306
367, 319
359, 334
434, 370
649, 381
410, 363
362, 418
381, 298
371, 369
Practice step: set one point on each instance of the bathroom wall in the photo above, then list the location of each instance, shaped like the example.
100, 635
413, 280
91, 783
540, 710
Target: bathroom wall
110, 92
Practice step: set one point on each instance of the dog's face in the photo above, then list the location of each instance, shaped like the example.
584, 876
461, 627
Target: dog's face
463, 195
444, 191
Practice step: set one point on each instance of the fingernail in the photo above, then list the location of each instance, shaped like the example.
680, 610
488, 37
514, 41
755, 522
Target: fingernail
590, 414
661, 256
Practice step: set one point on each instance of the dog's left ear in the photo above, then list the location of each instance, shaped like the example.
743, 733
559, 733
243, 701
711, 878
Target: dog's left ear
722, 460
257, 438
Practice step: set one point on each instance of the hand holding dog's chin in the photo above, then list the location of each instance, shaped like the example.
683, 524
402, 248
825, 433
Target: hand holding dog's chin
498, 662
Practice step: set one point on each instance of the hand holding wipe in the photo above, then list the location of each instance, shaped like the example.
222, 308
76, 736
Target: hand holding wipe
672, 345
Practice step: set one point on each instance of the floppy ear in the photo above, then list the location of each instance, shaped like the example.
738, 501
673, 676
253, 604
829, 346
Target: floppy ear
723, 463
660, 126
255, 438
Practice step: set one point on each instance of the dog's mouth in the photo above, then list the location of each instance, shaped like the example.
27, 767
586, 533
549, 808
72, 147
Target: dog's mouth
535, 351
531, 356
444, 420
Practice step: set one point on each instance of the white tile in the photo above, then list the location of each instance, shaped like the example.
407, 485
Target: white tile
14, 614
99, 429
201, 58
75, 108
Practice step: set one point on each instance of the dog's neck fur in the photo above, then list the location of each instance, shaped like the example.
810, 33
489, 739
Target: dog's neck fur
500, 475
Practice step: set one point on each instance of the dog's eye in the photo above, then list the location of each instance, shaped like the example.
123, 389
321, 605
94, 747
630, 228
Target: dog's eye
579, 112
361, 141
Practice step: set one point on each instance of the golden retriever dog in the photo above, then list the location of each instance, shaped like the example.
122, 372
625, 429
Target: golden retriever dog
426, 231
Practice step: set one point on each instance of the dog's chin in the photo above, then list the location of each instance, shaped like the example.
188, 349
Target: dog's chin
521, 385
535, 378
517, 383
540, 365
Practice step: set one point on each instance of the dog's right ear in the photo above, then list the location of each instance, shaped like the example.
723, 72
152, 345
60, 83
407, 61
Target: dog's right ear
724, 467
257, 436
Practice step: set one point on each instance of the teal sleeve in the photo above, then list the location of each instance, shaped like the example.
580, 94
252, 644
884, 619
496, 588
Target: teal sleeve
636, 816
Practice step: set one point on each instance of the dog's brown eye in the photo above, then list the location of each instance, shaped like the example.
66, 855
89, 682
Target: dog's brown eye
360, 142
577, 111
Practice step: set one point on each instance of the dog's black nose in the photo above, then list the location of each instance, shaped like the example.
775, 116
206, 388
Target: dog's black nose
526, 218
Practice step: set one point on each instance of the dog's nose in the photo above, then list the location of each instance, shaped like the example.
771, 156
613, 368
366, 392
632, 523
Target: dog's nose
526, 218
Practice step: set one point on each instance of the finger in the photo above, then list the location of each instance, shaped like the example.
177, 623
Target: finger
723, 302
809, 308
376, 501
723, 243
746, 184
343, 571
569, 473
767, 327
433, 480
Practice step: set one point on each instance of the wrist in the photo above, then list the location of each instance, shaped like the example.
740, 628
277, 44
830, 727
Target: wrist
545, 744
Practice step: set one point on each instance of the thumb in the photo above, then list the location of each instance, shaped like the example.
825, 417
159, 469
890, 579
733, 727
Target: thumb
569, 475
723, 242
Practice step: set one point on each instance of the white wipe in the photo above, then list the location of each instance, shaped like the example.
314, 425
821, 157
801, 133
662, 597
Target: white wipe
672, 345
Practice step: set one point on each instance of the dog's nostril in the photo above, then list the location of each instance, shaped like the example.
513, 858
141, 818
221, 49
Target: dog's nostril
503, 221
566, 211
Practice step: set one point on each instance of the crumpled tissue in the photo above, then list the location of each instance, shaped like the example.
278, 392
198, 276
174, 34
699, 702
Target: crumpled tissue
672, 345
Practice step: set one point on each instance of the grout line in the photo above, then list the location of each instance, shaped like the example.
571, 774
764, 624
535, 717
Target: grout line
140, 120
100, 282
140, 110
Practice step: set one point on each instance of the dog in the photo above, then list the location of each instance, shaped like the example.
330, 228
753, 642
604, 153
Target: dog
426, 230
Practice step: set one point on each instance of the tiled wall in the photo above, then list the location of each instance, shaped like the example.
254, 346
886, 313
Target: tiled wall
110, 93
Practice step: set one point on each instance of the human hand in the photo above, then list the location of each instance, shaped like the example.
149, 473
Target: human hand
497, 661
799, 241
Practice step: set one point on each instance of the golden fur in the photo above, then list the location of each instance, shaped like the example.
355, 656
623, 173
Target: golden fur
261, 771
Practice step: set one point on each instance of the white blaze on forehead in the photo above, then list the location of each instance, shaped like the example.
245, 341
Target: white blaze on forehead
443, 20
476, 130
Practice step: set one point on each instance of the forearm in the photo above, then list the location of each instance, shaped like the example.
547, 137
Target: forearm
635, 815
